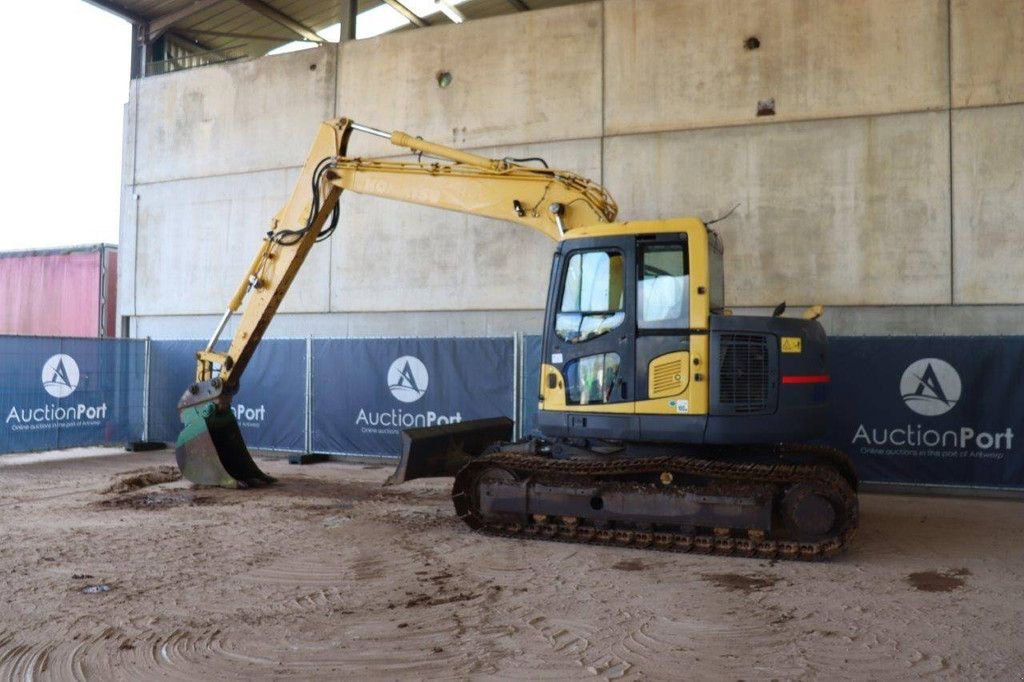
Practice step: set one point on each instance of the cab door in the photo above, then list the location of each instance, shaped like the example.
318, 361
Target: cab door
663, 322
590, 334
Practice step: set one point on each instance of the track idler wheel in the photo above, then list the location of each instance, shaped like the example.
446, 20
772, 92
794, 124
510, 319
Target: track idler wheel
808, 511
467, 494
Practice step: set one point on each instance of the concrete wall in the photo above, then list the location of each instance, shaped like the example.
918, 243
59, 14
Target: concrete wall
525, 77
888, 184
681, 64
988, 182
828, 210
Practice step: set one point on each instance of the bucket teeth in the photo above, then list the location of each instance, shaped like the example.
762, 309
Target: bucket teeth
210, 450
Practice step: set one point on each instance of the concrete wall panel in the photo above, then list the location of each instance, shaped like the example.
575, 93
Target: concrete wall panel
234, 118
197, 237
988, 204
525, 77
842, 212
126, 290
680, 64
343, 325
392, 256
126, 216
987, 52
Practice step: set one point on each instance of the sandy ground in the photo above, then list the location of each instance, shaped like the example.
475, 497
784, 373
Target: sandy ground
330, 576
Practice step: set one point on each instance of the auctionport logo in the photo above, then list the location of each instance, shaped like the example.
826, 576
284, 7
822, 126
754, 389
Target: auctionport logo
930, 387
60, 375
408, 379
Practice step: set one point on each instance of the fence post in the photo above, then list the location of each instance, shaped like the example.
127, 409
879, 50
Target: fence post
307, 456
517, 386
309, 396
146, 378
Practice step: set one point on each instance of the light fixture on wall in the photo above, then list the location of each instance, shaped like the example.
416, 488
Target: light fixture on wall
455, 15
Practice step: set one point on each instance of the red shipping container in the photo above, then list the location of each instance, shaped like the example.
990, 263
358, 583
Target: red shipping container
59, 292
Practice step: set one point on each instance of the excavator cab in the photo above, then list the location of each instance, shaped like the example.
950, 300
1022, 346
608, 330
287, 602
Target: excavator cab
638, 346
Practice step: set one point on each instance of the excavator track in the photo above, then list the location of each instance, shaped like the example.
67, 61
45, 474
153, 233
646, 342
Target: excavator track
820, 474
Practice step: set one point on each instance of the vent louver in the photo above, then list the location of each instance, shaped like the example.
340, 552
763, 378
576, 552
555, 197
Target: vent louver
743, 372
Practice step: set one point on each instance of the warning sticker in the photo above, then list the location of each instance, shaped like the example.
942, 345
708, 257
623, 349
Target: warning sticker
792, 344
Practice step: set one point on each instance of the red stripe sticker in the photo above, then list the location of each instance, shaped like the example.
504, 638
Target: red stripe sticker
806, 379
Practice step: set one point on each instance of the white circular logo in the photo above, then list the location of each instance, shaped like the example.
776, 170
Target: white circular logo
60, 375
930, 387
408, 379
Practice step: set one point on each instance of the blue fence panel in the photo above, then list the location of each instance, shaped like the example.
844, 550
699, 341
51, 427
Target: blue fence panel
172, 366
59, 393
365, 391
930, 410
269, 406
919, 410
530, 381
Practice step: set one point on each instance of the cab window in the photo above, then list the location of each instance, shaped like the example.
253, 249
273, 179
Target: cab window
592, 296
590, 380
663, 287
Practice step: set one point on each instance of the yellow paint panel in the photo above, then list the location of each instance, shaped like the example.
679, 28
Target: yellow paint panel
668, 375
699, 356
632, 227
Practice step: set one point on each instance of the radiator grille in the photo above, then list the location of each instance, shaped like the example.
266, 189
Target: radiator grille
743, 372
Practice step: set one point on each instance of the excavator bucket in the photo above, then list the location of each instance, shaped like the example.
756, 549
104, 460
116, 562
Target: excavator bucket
444, 450
210, 450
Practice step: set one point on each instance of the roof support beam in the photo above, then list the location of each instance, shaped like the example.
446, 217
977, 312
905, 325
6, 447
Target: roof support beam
138, 60
408, 13
349, 11
160, 24
519, 5
295, 27
189, 32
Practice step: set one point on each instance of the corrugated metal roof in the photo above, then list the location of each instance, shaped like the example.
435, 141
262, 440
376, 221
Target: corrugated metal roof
231, 29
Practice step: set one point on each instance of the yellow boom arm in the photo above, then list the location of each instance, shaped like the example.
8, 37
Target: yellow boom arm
210, 449
553, 202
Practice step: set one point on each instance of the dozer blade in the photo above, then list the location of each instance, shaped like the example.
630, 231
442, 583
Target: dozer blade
210, 450
444, 450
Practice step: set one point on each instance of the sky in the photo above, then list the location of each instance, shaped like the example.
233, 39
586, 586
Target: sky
65, 68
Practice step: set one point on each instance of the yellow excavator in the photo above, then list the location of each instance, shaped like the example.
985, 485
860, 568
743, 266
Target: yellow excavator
664, 421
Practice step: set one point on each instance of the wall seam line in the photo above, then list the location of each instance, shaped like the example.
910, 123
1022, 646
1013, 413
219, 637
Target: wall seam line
604, 69
337, 94
135, 200
952, 217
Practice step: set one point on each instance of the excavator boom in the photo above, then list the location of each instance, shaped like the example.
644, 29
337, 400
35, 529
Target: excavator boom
210, 448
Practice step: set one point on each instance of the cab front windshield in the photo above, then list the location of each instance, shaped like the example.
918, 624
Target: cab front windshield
593, 296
